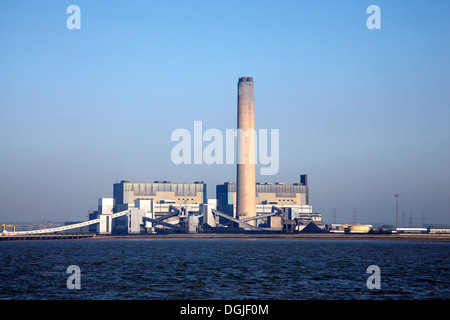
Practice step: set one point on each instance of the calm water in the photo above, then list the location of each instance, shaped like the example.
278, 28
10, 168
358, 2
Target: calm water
224, 269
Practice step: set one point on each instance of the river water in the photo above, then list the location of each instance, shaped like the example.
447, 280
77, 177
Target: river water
223, 269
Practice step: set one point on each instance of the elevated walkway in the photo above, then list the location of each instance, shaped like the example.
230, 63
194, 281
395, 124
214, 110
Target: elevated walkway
63, 228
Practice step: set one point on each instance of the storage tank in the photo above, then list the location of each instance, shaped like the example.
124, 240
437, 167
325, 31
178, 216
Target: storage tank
358, 228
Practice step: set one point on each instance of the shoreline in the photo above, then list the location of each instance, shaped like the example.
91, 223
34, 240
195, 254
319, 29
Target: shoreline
426, 237
299, 236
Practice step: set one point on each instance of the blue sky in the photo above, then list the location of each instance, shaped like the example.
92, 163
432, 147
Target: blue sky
364, 112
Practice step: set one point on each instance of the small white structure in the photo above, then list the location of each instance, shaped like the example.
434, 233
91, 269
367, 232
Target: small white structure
148, 205
105, 205
105, 224
439, 230
208, 216
135, 224
411, 230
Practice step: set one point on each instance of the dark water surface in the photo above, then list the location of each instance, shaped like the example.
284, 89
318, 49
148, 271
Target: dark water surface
224, 269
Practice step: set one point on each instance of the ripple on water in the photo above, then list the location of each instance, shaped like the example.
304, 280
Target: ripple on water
224, 269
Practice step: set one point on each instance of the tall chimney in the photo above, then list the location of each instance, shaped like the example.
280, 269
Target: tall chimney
246, 187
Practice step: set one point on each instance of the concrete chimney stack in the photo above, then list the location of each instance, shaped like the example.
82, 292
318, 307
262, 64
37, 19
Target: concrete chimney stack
246, 157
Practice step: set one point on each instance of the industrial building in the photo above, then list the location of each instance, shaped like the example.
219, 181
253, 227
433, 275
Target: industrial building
348, 228
162, 192
161, 206
149, 206
166, 197
292, 200
246, 205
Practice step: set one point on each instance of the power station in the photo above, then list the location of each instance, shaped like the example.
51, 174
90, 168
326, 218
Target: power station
244, 206
165, 206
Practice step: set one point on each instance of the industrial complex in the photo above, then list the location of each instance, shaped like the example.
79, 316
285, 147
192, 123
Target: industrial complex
164, 206
241, 206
